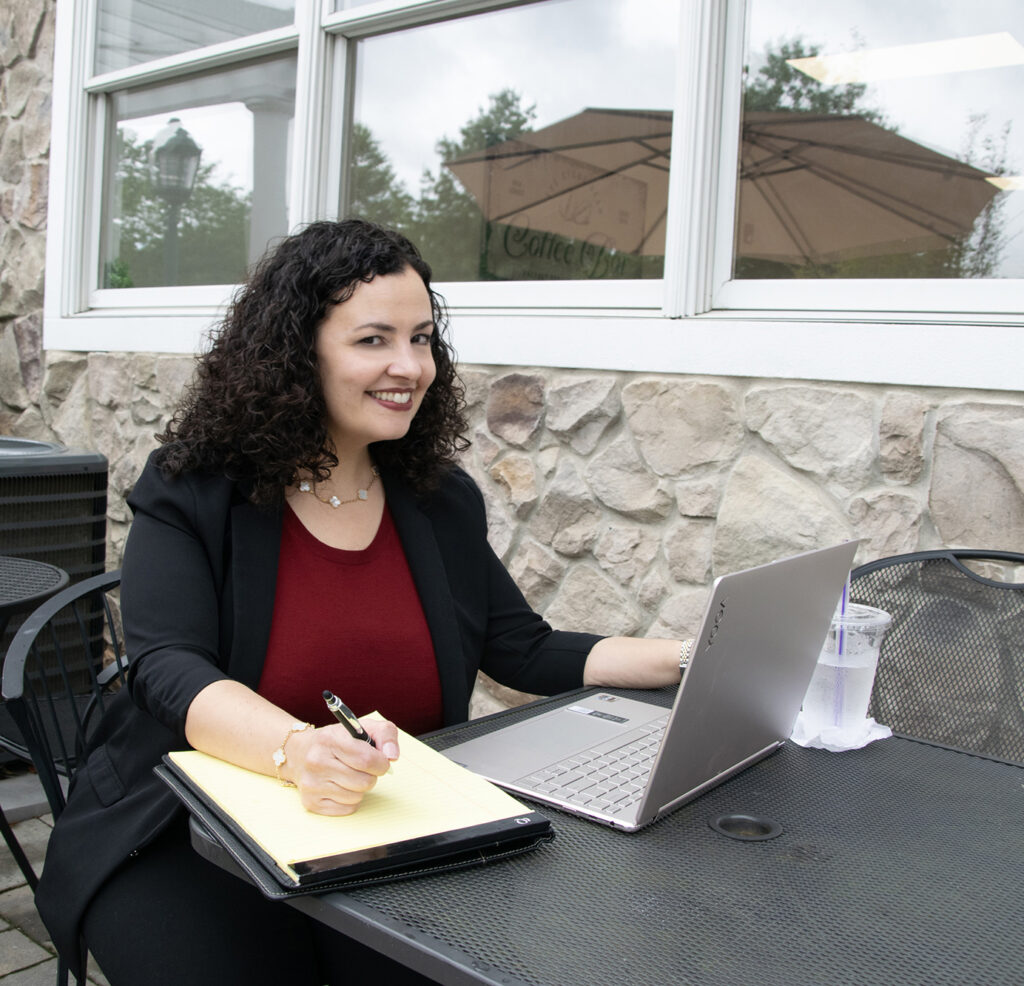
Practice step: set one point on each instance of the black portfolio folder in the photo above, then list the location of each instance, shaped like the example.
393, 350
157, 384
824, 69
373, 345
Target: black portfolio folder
430, 850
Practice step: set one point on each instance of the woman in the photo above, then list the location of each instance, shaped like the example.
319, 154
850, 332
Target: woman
303, 527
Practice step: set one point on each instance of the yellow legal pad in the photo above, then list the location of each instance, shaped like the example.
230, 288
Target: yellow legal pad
425, 807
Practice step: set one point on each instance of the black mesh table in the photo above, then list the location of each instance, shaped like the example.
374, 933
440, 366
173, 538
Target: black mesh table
901, 863
25, 583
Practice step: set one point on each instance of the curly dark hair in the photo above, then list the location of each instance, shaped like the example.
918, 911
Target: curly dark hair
255, 410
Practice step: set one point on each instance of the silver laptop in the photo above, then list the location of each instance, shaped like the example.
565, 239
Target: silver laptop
625, 763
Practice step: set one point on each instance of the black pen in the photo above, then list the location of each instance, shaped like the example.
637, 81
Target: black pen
347, 718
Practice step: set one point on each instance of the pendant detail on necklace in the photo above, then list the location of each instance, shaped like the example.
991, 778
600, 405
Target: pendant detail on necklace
305, 486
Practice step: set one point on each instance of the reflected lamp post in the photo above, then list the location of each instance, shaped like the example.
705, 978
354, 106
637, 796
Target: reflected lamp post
174, 166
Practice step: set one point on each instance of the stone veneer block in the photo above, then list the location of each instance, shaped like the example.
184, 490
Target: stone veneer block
589, 601
681, 425
515, 407
567, 518
889, 522
619, 478
977, 487
767, 513
901, 437
517, 474
827, 433
580, 410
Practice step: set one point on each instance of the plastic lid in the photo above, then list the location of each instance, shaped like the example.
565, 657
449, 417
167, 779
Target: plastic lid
859, 615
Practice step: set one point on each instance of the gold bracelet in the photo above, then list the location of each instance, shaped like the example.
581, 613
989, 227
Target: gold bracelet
684, 655
279, 757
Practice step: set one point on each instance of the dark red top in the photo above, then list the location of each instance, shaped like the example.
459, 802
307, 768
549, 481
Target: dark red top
350, 621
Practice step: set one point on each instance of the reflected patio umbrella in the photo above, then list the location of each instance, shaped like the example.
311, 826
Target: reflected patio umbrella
821, 188
601, 176
813, 188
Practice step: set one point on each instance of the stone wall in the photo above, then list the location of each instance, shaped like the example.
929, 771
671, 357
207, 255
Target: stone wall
26, 75
615, 498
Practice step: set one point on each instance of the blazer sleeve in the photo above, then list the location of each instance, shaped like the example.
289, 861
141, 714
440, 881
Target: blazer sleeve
172, 591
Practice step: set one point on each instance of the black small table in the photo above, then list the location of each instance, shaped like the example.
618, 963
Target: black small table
901, 863
24, 584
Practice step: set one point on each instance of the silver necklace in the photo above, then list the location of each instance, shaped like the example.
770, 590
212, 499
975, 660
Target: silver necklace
306, 486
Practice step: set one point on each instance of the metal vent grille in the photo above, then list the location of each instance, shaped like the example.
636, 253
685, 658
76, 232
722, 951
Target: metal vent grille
56, 518
53, 508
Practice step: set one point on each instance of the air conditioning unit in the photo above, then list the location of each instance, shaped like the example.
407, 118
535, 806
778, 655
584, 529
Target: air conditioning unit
53, 508
53, 505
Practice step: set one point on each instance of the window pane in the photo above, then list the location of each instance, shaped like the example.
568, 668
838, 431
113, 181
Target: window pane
878, 144
132, 31
508, 149
166, 222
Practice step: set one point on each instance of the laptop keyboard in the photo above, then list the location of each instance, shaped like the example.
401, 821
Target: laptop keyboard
610, 781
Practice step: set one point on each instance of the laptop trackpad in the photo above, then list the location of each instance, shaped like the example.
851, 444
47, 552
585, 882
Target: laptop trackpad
521, 748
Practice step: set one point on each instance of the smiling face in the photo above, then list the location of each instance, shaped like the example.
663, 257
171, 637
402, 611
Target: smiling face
375, 360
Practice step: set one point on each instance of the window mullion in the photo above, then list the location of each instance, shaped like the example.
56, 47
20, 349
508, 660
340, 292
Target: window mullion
66, 249
306, 191
198, 59
723, 219
98, 182
696, 139
356, 23
338, 122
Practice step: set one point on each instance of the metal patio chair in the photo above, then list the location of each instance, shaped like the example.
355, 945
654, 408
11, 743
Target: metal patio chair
951, 668
60, 671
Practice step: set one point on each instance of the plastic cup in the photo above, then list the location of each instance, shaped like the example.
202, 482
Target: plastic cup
840, 689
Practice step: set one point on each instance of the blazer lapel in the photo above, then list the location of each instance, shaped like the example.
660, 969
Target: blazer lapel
256, 545
428, 572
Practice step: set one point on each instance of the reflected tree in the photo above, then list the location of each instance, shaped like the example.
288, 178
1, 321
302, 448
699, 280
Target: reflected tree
449, 228
981, 253
445, 220
779, 86
213, 226
374, 190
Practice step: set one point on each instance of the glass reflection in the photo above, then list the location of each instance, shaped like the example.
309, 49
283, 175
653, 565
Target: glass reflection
879, 144
196, 176
129, 32
517, 153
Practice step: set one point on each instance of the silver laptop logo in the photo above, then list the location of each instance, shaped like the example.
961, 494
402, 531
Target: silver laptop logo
716, 625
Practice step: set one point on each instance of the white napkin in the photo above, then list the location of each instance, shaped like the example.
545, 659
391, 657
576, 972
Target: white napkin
835, 738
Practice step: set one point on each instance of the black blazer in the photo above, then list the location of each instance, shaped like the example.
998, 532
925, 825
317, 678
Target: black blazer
197, 596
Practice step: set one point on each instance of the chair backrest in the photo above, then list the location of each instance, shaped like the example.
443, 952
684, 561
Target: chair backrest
951, 669
60, 670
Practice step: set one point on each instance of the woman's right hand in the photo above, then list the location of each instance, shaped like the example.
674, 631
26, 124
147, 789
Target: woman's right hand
333, 771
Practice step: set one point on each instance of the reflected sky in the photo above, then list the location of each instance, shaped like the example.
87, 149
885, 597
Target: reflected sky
934, 110
560, 57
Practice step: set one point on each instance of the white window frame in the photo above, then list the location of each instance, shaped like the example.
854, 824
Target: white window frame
695, 320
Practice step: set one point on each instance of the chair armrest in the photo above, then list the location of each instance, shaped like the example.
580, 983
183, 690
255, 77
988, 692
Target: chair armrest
117, 667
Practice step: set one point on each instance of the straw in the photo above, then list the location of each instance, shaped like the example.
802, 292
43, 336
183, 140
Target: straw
844, 599
837, 698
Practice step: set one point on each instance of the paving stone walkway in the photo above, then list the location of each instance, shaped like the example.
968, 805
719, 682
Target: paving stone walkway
27, 957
